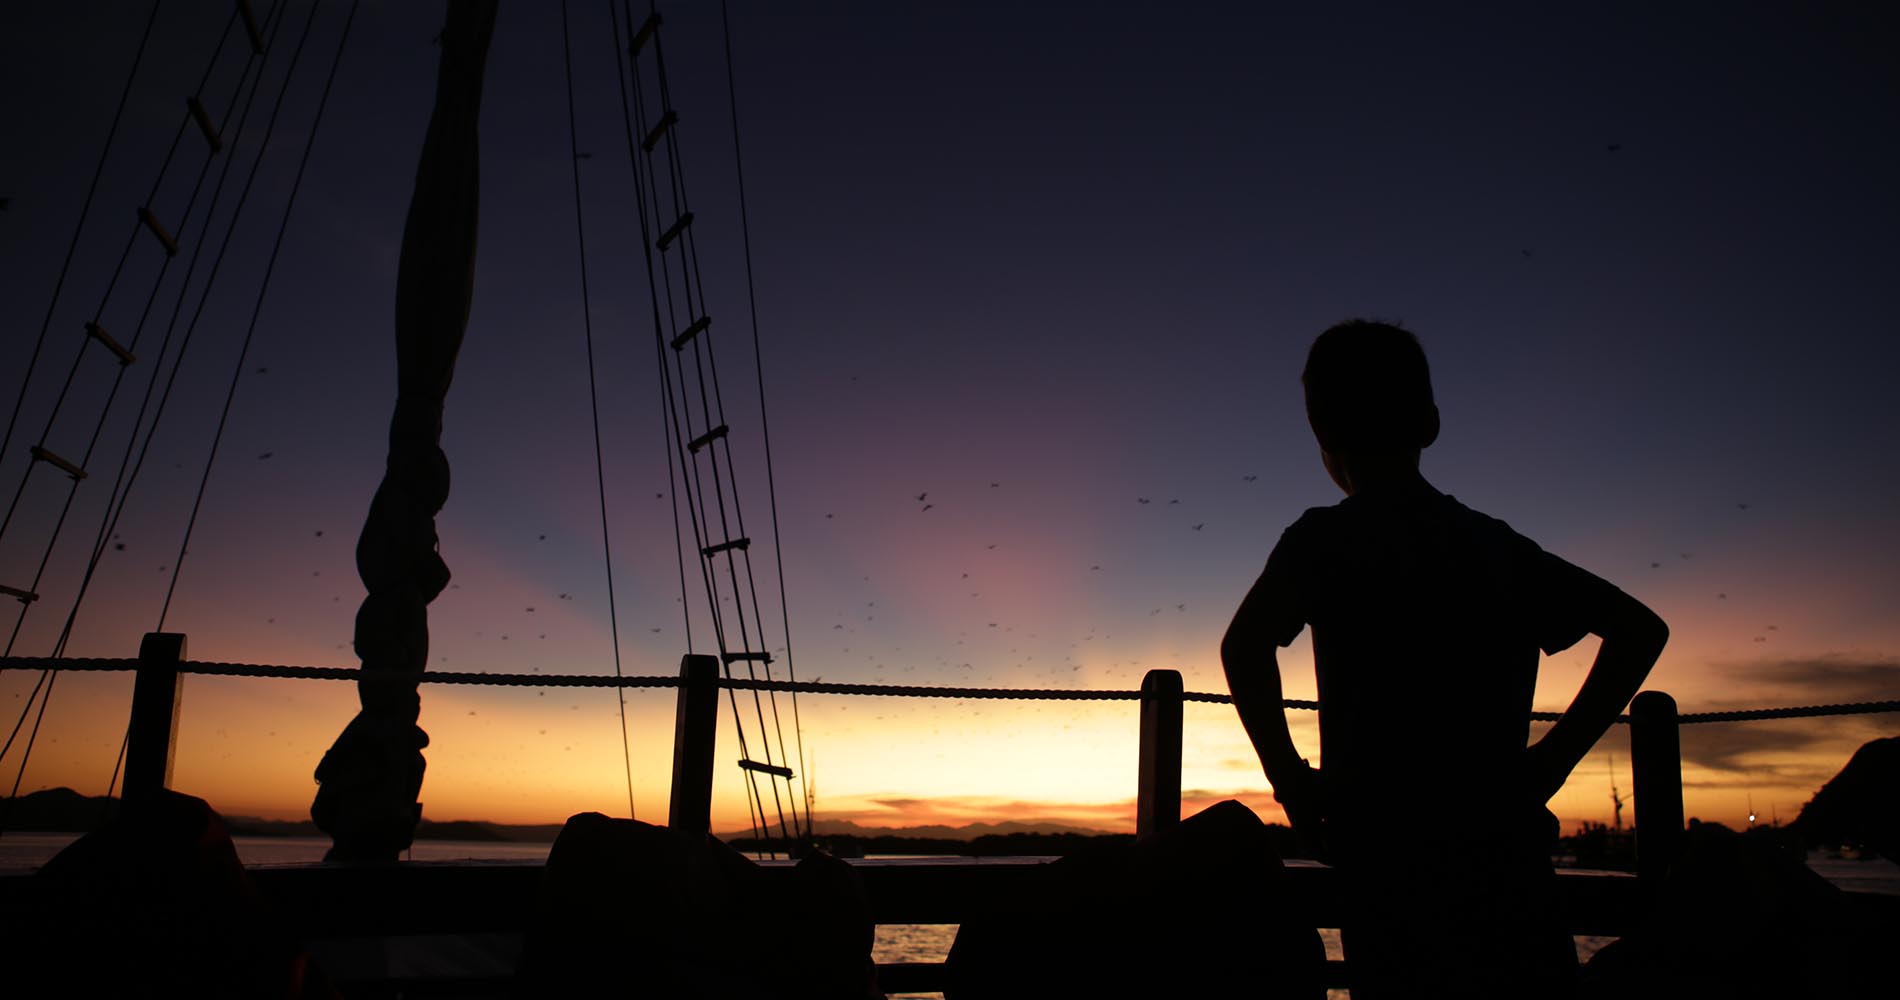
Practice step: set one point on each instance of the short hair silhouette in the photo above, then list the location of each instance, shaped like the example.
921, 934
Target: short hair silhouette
1368, 388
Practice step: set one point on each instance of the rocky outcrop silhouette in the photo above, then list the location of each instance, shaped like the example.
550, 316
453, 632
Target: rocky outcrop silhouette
1859, 806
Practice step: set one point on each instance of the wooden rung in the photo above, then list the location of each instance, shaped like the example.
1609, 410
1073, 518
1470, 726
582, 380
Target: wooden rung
203, 118
158, 230
741, 544
773, 769
24, 596
685, 336
98, 333
646, 32
666, 239
667, 121
707, 438
747, 657
42, 455
250, 26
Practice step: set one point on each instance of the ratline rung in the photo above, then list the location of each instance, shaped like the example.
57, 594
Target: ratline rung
747, 657
741, 544
646, 32
23, 596
774, 769
158, 230
250, 26
672, 233
98, 333
707, 438
667, 121
686, 336
203, 118
42, 455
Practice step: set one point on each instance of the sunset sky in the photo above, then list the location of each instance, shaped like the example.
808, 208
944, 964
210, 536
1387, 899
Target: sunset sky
1039, 262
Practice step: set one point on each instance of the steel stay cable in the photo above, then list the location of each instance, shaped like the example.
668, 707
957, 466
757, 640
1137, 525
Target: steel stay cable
681, 408
59, 648
712, 407
263, 287
633, 114
237, 211
125, 253
119, 378
120, 493
711, 401
765, 425
111, 518
593, 395
72, 247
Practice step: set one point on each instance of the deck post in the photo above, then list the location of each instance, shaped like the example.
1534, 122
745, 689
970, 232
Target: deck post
1158, 791
153, 733
694, 725
1656, 759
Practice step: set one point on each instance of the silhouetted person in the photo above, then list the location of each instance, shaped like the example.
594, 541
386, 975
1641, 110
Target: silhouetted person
1427, 619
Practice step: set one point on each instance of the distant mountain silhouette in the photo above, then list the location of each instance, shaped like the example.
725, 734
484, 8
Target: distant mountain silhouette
969, 831
62, 810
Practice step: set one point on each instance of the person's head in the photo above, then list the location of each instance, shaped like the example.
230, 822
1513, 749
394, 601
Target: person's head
1369, 396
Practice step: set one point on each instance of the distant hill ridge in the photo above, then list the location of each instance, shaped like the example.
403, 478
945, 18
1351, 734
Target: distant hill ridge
63, 810
969, 831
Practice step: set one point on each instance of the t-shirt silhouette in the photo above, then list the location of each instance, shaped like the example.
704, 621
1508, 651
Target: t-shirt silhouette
1427, 620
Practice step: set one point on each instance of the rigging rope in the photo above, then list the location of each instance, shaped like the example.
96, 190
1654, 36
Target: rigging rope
713, 414
99, 541
646, 196
72, 247
207, 668
593, 394
765, 424
257, 308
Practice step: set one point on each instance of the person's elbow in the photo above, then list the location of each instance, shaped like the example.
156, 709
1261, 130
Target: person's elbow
1239, 649
1639, 628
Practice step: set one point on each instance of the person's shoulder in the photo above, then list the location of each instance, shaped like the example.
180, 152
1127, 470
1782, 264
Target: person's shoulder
1314, 522
1479, 523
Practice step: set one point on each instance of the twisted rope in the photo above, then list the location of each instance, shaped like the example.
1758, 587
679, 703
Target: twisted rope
817, 687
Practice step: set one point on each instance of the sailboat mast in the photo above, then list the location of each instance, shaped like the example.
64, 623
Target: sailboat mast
370, 779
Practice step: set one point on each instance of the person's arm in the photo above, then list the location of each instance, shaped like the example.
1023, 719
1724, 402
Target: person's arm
1633, 637
1253, 678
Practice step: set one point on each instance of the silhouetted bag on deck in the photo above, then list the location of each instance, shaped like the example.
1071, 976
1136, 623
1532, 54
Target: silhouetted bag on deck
156, 903
1738, 918
1193, 912
632, 909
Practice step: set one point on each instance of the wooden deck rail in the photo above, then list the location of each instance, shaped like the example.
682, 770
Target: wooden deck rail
1655, 749
427, 900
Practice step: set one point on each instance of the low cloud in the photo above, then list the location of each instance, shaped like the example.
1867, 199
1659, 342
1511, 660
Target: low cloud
1801, 752
1831, 678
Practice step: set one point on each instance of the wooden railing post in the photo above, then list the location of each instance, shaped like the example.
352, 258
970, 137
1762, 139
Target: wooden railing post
1656, 759
1158, 791
153, 734
694, 725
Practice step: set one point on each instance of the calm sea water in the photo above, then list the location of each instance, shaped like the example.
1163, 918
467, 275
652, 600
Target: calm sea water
894, 943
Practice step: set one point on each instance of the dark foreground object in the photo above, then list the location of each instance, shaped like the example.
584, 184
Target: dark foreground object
634, 910
1200, 910
1739, 918
1861, 805
156, 903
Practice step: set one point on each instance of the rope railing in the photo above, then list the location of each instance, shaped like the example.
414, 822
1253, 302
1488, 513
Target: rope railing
215, 669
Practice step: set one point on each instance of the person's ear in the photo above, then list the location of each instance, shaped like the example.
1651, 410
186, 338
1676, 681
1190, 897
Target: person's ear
1430, 429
